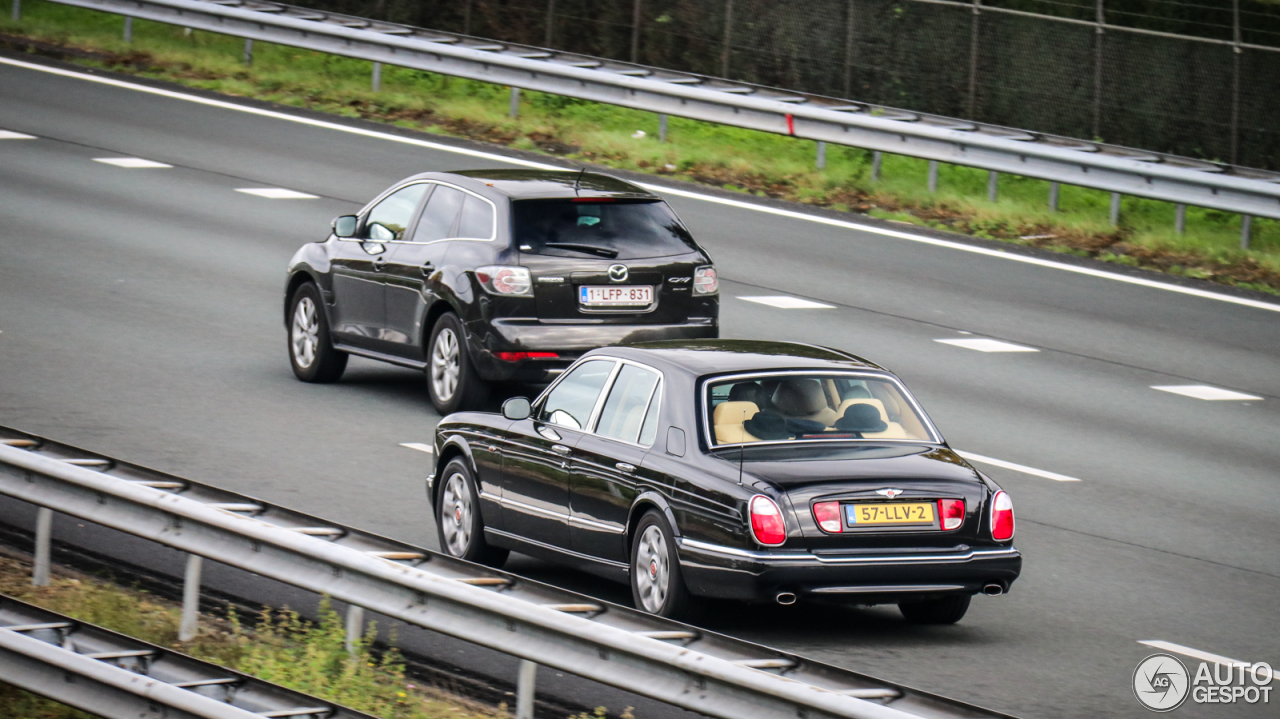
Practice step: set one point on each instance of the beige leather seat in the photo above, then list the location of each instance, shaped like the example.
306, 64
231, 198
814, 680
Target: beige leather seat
728, 418
804, 399
894, 431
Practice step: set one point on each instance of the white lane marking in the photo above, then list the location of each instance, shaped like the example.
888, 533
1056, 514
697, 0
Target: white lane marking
1016, 467
276, 193
419, 446
1204, 391
789, 303
1002, 254
984, 345
1202, 656
11, 135
132, 163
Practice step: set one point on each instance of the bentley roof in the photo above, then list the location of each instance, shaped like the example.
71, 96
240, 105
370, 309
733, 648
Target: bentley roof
549, 184
708, 357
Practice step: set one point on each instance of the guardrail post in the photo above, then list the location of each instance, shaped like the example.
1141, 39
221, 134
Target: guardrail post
1246, 231
993, 186
821, 160
248, 51
525, 689
662, 127
1053, 197
876, 158
377, 77
191, 599
1115, 209
1180, 219
44, 537
933, 175
355, 627
17, 10
128, 29
514, 110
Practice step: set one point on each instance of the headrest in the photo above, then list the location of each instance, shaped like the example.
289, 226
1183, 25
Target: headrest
733, 412
845, 405
799, 396
745, 392
856, 392
861, 418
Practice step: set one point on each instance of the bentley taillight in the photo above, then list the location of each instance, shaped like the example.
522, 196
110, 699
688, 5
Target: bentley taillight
828, 516
766, 521
950, 513
1001, 517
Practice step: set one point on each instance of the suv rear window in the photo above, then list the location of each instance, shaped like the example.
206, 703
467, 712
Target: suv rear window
617, 229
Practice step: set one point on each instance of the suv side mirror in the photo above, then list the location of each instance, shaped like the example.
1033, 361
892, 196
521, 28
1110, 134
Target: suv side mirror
345, 226
516, 408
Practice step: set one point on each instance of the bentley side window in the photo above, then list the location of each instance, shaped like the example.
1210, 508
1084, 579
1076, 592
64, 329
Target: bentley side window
437, 219
570, 403
649, 430
629, 399
389, 219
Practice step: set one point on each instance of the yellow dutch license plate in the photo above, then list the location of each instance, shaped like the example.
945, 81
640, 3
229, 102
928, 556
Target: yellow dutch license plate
890, 513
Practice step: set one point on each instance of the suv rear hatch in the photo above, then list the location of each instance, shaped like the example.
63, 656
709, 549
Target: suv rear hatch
607, 260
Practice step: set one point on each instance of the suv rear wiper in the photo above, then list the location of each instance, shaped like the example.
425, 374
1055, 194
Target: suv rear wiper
589, 249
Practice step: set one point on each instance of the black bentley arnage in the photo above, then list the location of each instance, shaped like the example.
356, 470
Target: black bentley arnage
488, 275
761, 471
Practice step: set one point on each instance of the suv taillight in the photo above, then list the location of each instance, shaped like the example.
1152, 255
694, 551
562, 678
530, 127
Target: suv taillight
705, 280
1001, 517
950, 513
766, 521
828, 516
505, 280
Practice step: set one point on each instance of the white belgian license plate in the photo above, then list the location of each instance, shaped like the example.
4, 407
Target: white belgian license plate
616, 296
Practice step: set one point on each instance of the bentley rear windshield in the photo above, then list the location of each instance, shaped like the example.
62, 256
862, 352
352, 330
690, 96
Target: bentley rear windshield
610, 228
812, 407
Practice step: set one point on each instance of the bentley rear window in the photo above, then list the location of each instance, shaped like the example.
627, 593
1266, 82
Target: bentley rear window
599, 227
799, 407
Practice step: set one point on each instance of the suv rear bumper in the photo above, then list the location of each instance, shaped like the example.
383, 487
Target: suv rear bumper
728, 572
568, 340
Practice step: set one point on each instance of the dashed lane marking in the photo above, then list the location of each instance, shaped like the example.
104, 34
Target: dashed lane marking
989, 252
419, 446
131, 163
986, 345
1016, 467
276, 193
1204, 391
1202, 656
11, 135
789, 303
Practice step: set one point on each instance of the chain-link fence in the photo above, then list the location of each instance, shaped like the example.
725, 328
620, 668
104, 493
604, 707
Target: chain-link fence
1198, 78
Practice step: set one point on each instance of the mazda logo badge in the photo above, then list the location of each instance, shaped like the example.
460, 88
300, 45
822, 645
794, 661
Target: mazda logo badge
618, 273
890, 493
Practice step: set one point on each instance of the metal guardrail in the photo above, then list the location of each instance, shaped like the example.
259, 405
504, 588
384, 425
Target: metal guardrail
118, 677
710, 673
1110, 168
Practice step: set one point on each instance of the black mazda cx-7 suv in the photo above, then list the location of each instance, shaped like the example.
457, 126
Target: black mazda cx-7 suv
491, 275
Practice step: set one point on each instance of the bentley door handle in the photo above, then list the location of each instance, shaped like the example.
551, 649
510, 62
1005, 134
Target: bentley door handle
624, 467
427, 269
379, 263
561, 449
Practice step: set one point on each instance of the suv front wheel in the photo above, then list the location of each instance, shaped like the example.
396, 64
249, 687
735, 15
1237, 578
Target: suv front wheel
451, 377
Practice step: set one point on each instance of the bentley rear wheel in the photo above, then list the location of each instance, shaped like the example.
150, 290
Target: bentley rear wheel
656, 583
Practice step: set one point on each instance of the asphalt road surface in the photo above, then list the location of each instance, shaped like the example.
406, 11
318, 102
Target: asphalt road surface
141, 316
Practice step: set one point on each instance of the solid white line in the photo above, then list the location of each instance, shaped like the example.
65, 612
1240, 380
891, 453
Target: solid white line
1197, 654
419, 446
1016, 467
1001, 254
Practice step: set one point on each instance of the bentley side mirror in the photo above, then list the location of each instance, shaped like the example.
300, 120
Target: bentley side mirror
345, 226
516, 408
